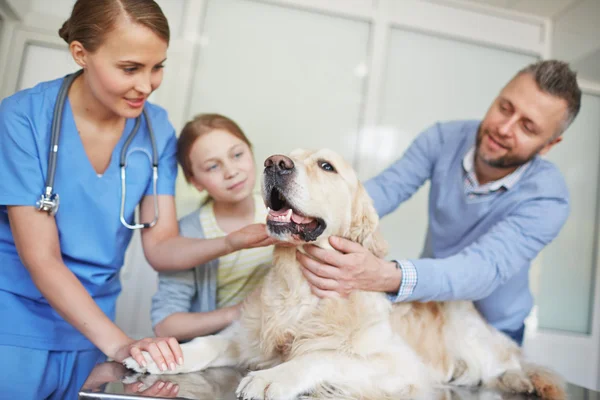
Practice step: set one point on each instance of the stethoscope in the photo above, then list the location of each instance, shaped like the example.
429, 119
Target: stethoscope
49, 201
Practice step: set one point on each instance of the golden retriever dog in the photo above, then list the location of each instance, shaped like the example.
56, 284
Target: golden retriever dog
361, 346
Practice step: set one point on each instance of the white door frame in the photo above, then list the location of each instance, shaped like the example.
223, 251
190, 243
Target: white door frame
10, 20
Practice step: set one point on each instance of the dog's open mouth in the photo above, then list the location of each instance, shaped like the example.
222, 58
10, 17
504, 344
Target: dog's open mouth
283, 218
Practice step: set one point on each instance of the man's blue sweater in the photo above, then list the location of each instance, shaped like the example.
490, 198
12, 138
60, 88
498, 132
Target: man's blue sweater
476, 248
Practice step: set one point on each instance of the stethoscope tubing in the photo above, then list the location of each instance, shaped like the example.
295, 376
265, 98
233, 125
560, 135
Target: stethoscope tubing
55, 129
49, 200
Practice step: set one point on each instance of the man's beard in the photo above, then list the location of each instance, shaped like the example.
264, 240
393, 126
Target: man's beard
506, 161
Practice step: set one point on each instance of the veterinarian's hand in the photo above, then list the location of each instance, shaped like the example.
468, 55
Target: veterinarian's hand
164, 351
104, 373
159, 388
254, 235
108, 372
331, 274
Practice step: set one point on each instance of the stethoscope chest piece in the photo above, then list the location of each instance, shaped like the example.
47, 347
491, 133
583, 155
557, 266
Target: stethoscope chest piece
49, 202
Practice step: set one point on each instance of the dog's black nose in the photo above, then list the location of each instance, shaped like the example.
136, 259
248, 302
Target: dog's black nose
279, 164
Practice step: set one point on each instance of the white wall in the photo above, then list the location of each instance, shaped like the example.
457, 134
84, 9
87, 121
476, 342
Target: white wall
18, 8
576, 38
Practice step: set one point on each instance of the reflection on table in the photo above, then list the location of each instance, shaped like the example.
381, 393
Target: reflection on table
112, 380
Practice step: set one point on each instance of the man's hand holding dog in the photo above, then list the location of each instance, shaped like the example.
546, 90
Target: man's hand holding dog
353, 267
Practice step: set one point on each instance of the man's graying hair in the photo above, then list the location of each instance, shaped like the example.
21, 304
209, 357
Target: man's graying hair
558, 79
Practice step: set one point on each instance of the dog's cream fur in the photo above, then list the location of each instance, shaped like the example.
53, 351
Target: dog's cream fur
361, 346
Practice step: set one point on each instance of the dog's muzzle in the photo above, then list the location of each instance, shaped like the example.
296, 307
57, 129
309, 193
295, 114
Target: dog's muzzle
283, 217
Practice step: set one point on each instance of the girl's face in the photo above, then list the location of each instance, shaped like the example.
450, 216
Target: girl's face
125, 69
223, 165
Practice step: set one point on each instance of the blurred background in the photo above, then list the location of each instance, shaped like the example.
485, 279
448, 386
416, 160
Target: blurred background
364, 77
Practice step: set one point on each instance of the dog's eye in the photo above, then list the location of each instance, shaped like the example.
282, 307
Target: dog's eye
326, 166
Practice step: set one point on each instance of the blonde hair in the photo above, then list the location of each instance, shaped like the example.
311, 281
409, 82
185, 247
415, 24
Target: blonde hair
91, 20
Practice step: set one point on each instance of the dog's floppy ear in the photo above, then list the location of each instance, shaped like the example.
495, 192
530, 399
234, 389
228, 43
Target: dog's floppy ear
364, 222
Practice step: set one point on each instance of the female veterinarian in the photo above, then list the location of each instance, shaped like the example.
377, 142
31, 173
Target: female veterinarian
92, 141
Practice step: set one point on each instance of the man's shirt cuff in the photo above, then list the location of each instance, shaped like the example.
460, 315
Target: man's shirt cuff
408, 283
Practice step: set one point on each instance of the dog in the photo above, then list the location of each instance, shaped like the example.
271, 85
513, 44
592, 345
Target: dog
360, 346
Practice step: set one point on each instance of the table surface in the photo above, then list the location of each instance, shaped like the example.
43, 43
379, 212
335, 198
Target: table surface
107, 382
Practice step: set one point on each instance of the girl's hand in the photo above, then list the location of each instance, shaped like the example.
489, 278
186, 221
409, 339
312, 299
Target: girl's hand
236, 311
250, 236
164, 351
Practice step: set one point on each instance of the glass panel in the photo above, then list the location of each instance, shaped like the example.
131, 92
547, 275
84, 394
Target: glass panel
567, 265
428, 79
56, 62
292, 78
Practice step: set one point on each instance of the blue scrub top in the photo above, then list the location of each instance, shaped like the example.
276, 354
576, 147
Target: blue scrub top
92, 239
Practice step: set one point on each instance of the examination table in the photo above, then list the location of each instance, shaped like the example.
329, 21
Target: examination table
106, 382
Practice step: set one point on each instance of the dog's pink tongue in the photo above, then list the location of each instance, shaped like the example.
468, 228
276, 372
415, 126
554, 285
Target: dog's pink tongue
299, 219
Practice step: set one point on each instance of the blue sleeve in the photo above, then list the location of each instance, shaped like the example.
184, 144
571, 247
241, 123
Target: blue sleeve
21, 175
402, 179
175, 293
167, 161
508, 246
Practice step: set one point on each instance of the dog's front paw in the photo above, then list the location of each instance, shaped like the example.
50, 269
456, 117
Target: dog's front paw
129, 379
150, 368
131, 364
266, 385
